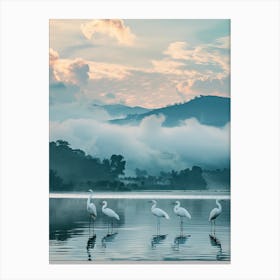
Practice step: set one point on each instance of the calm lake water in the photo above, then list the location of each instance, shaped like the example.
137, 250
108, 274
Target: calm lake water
135, 237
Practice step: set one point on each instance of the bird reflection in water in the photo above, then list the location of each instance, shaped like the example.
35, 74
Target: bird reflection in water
180, 240
109, 237
90, 245
157, 239
215, 242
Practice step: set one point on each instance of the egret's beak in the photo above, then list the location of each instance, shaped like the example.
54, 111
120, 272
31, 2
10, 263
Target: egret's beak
173, 203
149, 201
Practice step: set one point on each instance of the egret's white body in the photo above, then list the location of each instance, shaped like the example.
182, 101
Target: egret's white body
182, 213
91, 208
109, 213
215, 212
159, 213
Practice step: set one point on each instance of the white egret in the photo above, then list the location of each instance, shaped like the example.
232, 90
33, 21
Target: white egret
109, 213
159, 213
214, 214
182, 213
91, 209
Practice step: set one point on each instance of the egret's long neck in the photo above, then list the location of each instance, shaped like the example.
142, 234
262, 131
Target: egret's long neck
219, 205
177, 205
154, 205
89, 198
104, 205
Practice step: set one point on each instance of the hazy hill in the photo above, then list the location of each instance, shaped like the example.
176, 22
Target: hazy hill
208, 110
119, 110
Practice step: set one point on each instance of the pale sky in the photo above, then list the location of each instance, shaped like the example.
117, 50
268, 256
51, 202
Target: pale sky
148, 63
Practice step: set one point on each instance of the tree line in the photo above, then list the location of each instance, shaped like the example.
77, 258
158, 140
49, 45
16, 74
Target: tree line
74, 170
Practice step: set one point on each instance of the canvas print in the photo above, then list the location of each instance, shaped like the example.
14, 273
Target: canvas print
139, 141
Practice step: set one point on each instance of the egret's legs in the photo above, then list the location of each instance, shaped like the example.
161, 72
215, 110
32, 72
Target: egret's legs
214, 227
112, 226
158, 225
108, 228
93, 225
89, 224
181, 226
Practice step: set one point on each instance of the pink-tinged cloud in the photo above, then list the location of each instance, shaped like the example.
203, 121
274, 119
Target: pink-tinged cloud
78, 71
75, 72
203, 54
101, 70
166, 81
178, 50
53, 56
167, 66
190, 89
114, 28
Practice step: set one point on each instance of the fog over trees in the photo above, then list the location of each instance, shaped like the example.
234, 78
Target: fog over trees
74, 170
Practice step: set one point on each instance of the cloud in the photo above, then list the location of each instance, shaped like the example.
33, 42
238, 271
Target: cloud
76, 110
190, 89
137, 89
53, 56
75, 72
222, 43
62, 93
214, 86
66, 77
185, 72
207, 54
177, 50
184, 88
110, 95
101, 70
149, 146
113, 28
78, 71
167, 66
205, 68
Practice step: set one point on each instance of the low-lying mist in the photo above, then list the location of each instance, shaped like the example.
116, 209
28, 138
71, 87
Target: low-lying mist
149, 146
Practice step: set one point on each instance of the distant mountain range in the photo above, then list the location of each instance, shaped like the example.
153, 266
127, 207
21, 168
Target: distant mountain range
208, 110
120, 110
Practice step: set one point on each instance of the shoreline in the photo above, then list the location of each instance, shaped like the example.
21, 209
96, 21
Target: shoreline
144, 195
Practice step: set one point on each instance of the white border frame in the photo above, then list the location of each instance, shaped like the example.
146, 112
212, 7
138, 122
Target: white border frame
254, 144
